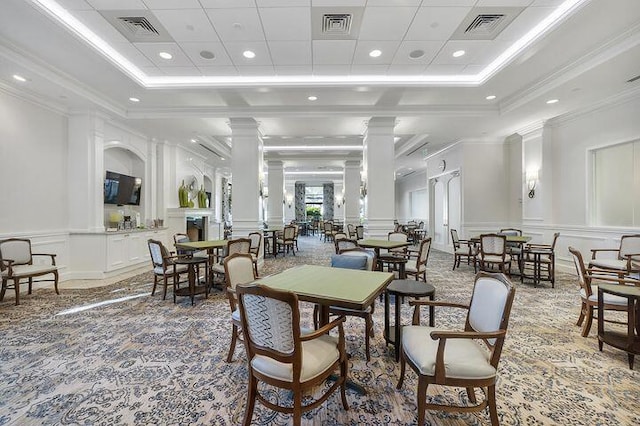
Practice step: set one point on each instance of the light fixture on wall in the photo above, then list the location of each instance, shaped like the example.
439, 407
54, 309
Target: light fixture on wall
532, 181
339, 200
289, 200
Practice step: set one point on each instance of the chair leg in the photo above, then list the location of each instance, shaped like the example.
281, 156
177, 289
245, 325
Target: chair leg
252, 389
55, 282
491, 400
234, 339
472, 395
367, 336
344, 370
30, 285
297, 407
587, 324
3, 290
164, 293
581, 317
422, 399
402, 368
16, 283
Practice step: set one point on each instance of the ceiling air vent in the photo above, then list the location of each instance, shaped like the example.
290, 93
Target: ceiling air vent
485, 23
137, 25
336, 23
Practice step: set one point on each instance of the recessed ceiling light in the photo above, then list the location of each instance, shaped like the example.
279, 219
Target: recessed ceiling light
416, 54
194, 140
313, 98
19, 78
222, 158
375, 53
458, 53
132, 99
552, 101
248, 54
165, 55
490, 97
205, 54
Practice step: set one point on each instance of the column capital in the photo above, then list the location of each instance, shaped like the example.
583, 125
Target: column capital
275, 164
352, 164
237, 123
380, 125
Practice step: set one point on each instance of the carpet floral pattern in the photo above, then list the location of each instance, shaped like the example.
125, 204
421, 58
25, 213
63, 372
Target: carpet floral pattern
135, 359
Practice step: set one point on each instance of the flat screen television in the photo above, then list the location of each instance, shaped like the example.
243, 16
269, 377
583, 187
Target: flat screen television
122, 189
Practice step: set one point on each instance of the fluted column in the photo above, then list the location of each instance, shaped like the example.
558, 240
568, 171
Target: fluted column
275, 212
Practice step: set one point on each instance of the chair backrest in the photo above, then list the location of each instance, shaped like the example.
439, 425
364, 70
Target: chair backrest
289, 233
180, 238
359, 251
397, 236
493, 244
351, 229
455, 239
238, 269
360, 232
328, 227
158, 253
238, 245
511, 231
583, 279
490, 307
421, 225
256, 240
629, 244
344, 244
16, 249
340, 236
555, 239
264, 310
423, 253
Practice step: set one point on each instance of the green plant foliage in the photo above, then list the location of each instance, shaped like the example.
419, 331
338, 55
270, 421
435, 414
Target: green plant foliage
313, 211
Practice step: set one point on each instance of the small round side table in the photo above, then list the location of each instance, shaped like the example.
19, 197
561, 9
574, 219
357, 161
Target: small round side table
193, 264
400, 289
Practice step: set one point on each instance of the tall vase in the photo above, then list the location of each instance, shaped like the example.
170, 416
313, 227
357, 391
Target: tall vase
183, 195
202, 198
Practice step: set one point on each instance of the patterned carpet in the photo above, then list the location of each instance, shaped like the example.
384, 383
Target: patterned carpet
141, 360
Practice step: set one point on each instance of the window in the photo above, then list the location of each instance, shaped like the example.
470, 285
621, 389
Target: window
616, 185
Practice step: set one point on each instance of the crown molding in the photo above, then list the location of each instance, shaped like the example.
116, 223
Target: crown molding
34, 98
53, 75
605, 52
610, 102
536, 126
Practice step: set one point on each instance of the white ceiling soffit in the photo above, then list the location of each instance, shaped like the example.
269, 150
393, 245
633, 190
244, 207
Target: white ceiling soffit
485, 23
335, 23
66, 19
137, 25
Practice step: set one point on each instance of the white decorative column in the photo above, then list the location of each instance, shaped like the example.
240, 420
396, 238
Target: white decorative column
246, 162
86, 172
378, 162
276, 187
352, 192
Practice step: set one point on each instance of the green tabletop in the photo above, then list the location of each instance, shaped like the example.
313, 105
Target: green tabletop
202, 245
348, 288
382, 244
510, 238
621, 290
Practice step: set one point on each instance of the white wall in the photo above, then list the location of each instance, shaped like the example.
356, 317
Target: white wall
404, 188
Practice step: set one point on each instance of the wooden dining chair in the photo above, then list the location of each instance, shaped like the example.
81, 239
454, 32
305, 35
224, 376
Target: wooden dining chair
493, 253
238, 269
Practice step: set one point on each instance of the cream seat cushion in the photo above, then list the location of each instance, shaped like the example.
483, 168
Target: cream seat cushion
179, 269
609, 264
217, 268
235, 315
27, 270
317, 356
608, 298
463, 358
496, 259
412, 268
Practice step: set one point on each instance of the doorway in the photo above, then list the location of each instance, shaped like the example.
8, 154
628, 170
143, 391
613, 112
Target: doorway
445, 213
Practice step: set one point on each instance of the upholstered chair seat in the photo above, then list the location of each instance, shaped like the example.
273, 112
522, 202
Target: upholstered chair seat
164, 267
609, 299
615, 264
22, 271
463, 358
159, 270
497, 259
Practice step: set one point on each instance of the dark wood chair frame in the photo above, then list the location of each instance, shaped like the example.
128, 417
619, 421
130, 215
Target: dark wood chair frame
457, 256
547, 260
485, 265
296, 386
440, 377
236, 326
169, 268
629, 257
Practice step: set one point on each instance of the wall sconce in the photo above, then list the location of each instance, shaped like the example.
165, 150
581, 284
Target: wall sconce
339, 200
289, 200
532, 181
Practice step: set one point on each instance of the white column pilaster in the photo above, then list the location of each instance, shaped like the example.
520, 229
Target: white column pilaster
352, 192
276, 195
378, 161
246, 163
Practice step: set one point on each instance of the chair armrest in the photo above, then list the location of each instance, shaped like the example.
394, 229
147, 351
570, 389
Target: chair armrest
615, 278
595, 251
9, 265
418, 303
53, 256
325, 329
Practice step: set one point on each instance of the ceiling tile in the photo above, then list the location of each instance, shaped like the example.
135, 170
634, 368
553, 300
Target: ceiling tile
448, 3
383, 23
283, 3
436, 23
437, 69
221, 70
134, 55
369, 69
75, 4
286, 24
329, 52
338, 3
393, 3
172, 4
152, 71
187, 24
193, 49
476, 52
235, 49
180, 71
236, 24
547, 2
100, 26
224, 4
331, 69
117, 4
255, 70
388, 49
290, 52
524, 22
507, 3
430, 49
293, 69
151, 51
